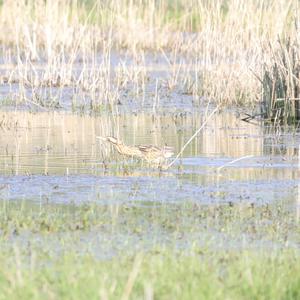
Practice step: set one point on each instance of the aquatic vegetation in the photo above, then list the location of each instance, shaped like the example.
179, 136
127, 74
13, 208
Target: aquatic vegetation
107, 53
273, 223
62, 250
281, 84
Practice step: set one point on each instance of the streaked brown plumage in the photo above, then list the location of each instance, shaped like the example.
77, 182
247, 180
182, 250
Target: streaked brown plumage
151, 154
155, 154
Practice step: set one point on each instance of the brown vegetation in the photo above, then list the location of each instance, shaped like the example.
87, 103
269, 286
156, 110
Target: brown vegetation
212, 49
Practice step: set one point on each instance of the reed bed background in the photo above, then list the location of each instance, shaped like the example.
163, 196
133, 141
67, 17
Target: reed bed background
220, 49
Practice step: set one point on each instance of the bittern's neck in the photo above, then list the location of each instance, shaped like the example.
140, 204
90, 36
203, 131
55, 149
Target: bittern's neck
118, 147
118, 143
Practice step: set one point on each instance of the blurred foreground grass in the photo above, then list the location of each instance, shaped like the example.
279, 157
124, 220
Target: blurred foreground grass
158, 275
216, 267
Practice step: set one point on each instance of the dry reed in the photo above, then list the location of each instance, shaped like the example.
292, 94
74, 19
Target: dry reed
210, 48
281, 82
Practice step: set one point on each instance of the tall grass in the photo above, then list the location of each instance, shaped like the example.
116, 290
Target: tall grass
58, 251
281, 81
218, 44
232, 275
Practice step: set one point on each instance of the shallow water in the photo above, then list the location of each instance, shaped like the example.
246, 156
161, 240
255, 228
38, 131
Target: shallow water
55, 159
57, 156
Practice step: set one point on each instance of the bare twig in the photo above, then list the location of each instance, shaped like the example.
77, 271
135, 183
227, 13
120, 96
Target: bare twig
193, 136
233, 161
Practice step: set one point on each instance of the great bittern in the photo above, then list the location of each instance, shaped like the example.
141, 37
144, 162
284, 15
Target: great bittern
151, 154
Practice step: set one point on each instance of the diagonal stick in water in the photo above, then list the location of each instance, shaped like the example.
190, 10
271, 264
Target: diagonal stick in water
192, 137
233, 161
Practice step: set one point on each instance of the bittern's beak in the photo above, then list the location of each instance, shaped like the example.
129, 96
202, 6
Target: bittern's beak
101, 138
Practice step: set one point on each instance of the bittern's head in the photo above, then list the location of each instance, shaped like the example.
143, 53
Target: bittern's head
110, 139
113, 140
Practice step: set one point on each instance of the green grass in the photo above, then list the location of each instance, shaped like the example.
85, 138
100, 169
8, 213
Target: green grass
275, 223
51, 251
165, 275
